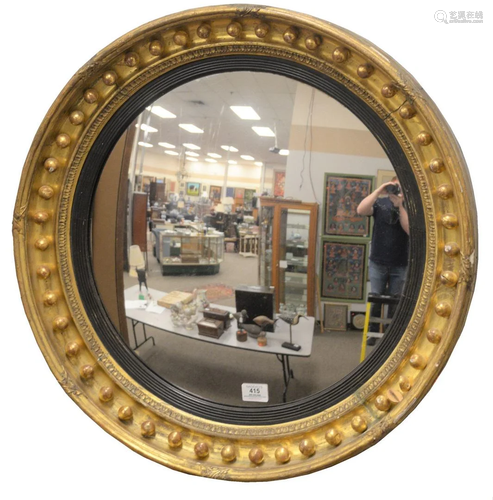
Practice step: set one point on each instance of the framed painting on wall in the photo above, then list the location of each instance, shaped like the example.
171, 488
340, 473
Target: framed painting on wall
384, 176
343, 194
230, 192
193, 188
279, 180
335, 317
344, 270
215, 193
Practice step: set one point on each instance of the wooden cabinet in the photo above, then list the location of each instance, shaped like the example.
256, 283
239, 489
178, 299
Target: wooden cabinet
288, 237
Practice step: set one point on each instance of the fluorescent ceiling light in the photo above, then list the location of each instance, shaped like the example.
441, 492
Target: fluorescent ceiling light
214, 155
210, 160
229, 148
245, 112
191, 153
161, 112
173, 153
259, 164
264, 131
248, 157
191, 146
191, 159
166, 145
232, 162
146, 128
190, 127
144, 144
284, 152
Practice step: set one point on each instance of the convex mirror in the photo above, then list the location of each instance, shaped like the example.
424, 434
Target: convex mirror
53, 243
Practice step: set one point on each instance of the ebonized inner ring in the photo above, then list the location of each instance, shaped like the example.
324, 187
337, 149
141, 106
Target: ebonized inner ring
81, 249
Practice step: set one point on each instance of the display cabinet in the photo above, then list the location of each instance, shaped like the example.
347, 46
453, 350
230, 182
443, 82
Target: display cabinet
190, 252
288, 236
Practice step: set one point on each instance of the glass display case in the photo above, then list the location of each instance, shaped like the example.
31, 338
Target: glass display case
190, 252
288, 236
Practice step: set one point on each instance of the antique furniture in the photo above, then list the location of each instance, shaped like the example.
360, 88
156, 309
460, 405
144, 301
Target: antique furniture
288, 235
52, 236
189, 252
303, 335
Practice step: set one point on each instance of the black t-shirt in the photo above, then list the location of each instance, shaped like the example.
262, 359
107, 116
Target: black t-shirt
389, 243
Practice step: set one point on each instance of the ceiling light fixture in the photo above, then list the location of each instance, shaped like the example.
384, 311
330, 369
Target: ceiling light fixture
264, 131
191, 153
146, 128
189, 127
170, 152
284, 152
232, 149
259, 164
214, 155
247, 157
161, 112
211, 160
145, 144
166, 145
232, 162
190, 146
245, 112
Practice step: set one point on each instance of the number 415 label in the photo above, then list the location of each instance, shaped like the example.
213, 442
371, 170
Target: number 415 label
255, 392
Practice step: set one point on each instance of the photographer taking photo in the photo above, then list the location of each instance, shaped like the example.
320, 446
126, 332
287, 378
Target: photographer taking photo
389, 244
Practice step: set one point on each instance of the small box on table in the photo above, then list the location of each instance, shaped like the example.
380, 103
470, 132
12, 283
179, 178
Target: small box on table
210, 328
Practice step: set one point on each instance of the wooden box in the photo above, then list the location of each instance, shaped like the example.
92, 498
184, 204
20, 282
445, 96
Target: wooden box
210, 328
218, 314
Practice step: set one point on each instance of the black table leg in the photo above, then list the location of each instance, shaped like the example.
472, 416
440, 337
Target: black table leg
286, 372
146, 338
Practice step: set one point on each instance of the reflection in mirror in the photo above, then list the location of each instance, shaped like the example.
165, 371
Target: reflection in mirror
232, 232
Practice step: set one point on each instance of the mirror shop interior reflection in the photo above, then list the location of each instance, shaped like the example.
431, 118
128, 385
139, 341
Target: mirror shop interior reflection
232, 237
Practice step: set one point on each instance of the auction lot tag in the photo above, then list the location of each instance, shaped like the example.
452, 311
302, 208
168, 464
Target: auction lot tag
255, 392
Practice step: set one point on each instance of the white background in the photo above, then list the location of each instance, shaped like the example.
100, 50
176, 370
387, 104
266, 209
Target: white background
51, 449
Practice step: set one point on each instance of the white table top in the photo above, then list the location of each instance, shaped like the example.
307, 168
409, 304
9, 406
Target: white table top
302, 333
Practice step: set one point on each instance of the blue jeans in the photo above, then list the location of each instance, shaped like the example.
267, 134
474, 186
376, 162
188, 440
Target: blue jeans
385, 280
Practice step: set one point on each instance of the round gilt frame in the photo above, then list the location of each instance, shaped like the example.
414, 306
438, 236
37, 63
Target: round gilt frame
75, 354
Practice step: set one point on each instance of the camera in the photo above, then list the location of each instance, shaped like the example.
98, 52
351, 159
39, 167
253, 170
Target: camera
393, 189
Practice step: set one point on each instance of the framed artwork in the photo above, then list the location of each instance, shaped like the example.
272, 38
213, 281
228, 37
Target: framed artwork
215, 193
344, 270
335, 317
230, 192
193, 189
239, 193
279, 180
343, 194
357, 320
384, 176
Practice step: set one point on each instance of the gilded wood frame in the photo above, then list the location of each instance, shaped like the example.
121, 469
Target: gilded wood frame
90, 376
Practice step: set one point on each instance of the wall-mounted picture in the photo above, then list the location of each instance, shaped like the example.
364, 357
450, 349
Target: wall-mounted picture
230, 192
335, 317
343, 194
279, 181
215, 193
344, 271
384, 176
193, 188
239, 193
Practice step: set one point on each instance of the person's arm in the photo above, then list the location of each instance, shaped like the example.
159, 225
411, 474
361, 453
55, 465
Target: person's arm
366, 205
398, 201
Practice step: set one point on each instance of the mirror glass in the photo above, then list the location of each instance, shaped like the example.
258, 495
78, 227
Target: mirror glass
232, 232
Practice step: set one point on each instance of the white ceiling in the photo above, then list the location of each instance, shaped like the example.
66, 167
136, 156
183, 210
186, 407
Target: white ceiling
206, 103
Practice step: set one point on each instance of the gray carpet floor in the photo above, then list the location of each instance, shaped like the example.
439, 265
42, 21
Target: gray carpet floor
217, 372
